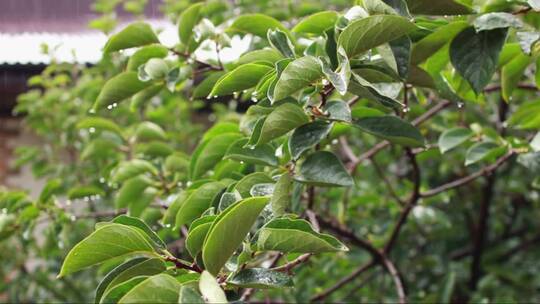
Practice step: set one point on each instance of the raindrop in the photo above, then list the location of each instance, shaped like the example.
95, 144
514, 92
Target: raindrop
92, 111
460, 105
168, 226
73, 218
215, 96
102, 180
92, 130
241, 162
254, 99
406, 110
334, 142
109, 107
325, 82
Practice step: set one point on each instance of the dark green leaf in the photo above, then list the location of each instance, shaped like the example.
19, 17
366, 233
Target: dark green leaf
452, 138
279, 40
161, 288
142, 55
260, 155
297, 76
118, 88
261, 278
134, 35
243, 77
392, 129
307, 136
317, 23
323, 168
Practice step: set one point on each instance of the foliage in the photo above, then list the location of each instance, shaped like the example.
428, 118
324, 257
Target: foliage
366, 140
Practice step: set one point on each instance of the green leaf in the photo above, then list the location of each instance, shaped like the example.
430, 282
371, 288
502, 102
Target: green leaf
392, 129
169, 218
156, 68
210, 152
323, 168
511, 74
131, 189
401, 50
475, 55
188, 19
480, 151
197, 202
197, 233
161, 288
296, 236
440, 7
147, 131
142, 55
283, 119
279, 40
247, 182
261, 155
229, 230
221, 128
117, 292
99, 123
143, 96
256, 24
317, 23
281, 196
266, 55
337, 110
139, 204
128, 169
205, 87
261, 278
452, 138
85, 191
210, 289
107, 242
366, 33
146, 267
433, 42
496, 20
133, 35
527, 116
307, 136
243, 77
105, 283
298, 74
188, 295
341, 77
118, 88
361, 87
138, 223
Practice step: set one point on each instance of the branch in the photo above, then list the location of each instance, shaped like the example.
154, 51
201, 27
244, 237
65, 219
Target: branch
467, 179
290, 265
344, 281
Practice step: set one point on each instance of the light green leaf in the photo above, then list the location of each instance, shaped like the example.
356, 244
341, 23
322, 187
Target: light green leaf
475, 55
512, 73
156, 68
361, 87
106, 282
283, 119
161, 288
99, 123
110, 241
261, 155
317, 23
142, 55
131, 190
256, 24
496, 20
323, 168
210, 152
433, 42
480, 151
205, 87
243, 77
229, 230
298, 74
366, 33
296, 236
188, 295
261, 278
392, 129
266, 55
85, 191
279, 40
188, 19
452, 138
337, 110
133, 35
210, 289
138, 223
132, 168
169, 218
221, 128
148, 130
527, 116
307, 136
281, 196
197, 202
440, 7
118, 88
197, 233
247, 182
138, 100
117, 292
147, 267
